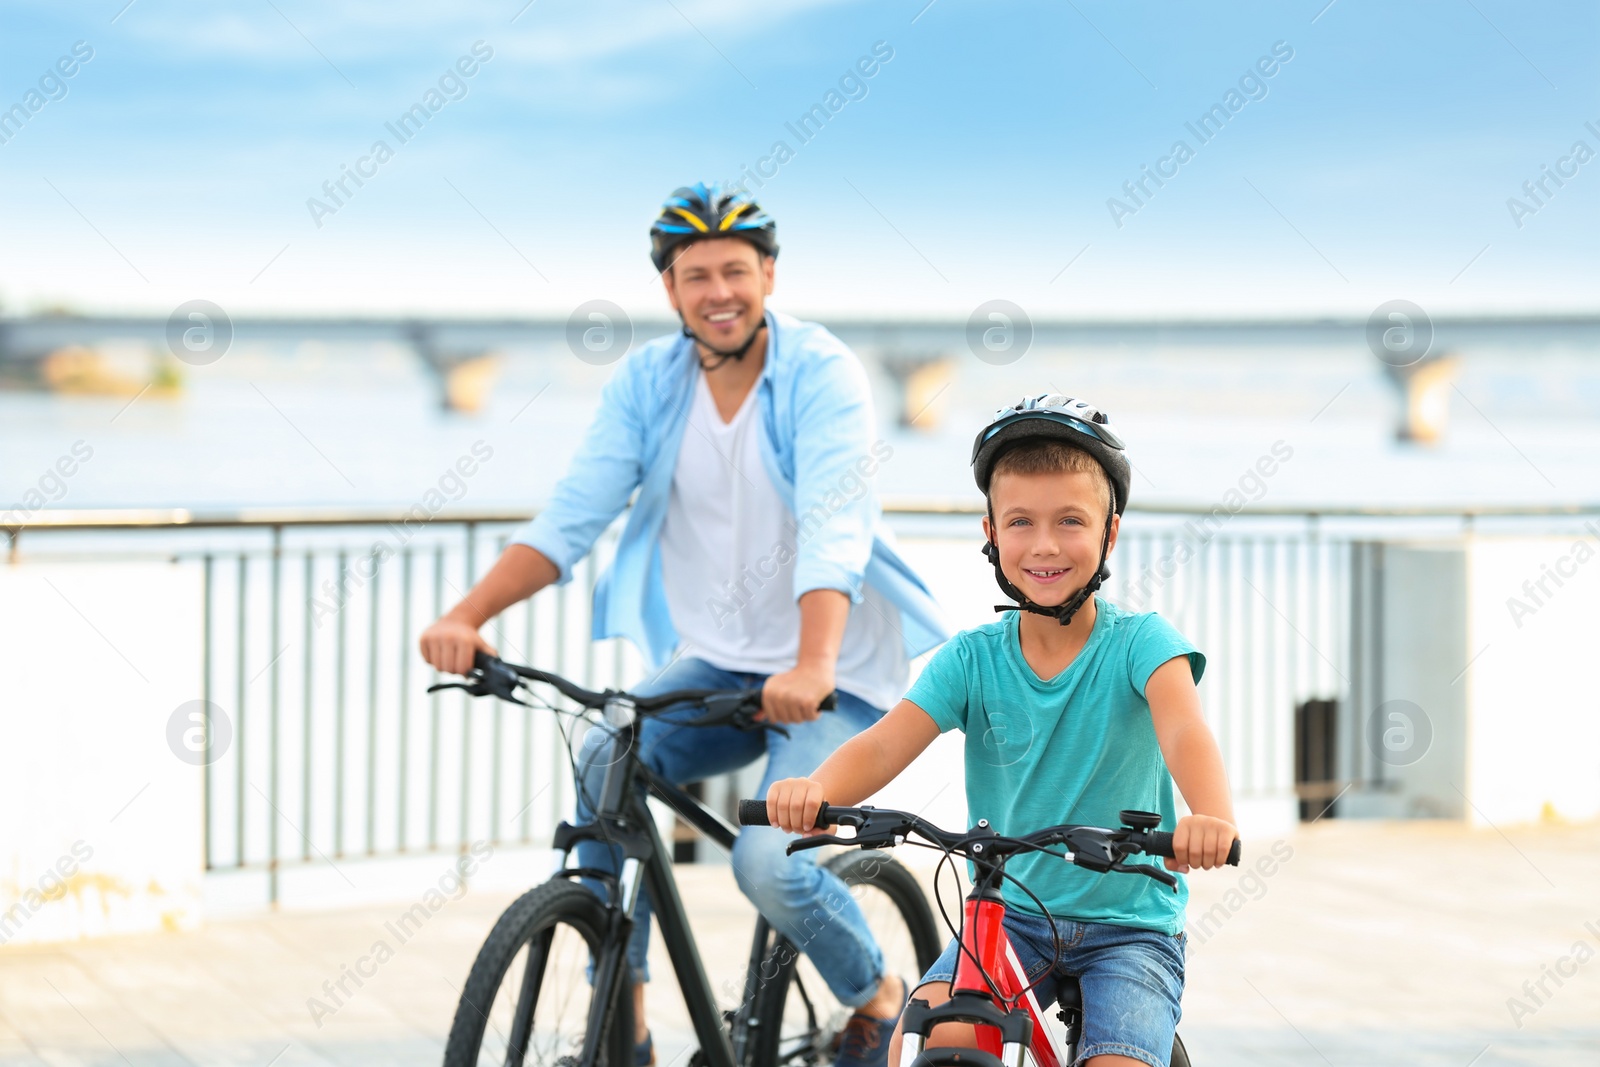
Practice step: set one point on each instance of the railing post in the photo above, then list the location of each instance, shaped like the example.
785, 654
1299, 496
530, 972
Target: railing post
372, 711
205, 719
275, 611
305, 710
239, 714
339, 652
471, 565
405, 692
433, 709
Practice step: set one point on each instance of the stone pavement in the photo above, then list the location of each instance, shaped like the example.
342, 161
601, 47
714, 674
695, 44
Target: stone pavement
1360, 944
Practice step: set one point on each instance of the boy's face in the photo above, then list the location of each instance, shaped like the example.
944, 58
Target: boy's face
1048, 527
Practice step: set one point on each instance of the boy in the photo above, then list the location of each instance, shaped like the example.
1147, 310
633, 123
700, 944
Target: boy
1073, 709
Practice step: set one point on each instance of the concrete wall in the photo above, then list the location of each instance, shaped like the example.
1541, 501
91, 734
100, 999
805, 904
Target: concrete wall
102, 820
1425, 633
1405, 740
1534, 747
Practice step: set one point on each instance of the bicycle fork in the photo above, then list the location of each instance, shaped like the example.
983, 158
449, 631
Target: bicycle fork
985, 957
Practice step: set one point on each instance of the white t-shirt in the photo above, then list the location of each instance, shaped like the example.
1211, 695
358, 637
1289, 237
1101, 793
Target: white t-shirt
728, 551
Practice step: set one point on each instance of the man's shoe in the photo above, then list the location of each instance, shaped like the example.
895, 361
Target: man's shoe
864, 1041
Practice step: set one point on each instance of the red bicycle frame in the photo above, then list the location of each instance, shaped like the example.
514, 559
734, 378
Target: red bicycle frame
985, 949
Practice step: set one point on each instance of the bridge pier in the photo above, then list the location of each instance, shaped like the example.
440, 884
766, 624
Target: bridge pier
463, 378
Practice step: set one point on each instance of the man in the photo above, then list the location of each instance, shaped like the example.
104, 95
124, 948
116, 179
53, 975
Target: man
754, 556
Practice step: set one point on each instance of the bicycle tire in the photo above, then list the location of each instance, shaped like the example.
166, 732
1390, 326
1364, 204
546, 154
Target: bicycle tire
971, 1057
975, 1058
543, 908
782, 959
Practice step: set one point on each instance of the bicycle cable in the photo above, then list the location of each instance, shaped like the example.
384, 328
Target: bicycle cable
1055, 933
610, 843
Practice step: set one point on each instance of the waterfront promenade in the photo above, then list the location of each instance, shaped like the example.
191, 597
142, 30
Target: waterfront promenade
1372, 944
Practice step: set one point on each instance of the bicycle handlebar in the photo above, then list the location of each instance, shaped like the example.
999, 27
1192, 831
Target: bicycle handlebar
1092, 847
491, 676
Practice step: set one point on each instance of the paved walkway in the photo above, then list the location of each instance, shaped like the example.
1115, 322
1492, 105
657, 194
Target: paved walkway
1365, 945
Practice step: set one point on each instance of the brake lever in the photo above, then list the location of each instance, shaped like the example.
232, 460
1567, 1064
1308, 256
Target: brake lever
497, 680
817, 841
1149, 870
829, 703
865, 837
749, 725
723, 712
477, 689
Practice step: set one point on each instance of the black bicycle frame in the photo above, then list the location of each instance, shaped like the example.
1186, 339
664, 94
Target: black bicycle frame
622, 818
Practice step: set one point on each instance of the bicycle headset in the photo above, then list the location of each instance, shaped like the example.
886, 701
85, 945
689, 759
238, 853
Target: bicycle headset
699, 211
1051, 416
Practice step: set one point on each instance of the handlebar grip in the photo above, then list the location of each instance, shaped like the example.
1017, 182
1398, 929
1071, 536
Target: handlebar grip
754, 813
830, 702
1159, 843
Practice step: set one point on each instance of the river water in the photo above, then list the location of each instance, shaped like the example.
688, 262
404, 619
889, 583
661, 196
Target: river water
323, 425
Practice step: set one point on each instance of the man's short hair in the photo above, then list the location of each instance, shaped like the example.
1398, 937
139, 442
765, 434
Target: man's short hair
1051, 457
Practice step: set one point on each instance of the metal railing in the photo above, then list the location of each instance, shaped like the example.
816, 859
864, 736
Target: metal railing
357, 757
310, 623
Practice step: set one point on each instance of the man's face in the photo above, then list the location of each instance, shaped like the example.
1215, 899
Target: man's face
1048, 527
719, 286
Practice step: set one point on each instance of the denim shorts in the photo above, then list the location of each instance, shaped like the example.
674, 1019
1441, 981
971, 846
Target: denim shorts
1132, 980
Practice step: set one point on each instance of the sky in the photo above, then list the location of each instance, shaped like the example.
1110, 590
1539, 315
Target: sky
1369, 152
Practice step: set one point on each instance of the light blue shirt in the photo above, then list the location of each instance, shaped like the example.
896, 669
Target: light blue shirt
817, 437
1076, 748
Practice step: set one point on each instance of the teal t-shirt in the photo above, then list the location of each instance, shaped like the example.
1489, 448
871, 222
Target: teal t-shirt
1076, 748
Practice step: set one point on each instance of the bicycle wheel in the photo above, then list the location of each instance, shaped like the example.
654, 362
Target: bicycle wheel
797, 1020
528, 995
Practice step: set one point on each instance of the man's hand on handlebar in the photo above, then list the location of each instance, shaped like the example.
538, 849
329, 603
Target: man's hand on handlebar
792, 806
449, 645
1200, 841
795, 695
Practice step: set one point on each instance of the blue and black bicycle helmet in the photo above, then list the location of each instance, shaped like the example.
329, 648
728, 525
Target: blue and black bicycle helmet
1051, 416
699, 211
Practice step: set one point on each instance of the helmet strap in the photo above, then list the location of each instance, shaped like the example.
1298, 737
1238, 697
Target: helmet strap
1063, 612
723, 356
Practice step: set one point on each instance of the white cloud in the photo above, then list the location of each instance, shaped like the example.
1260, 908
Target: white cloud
549, 32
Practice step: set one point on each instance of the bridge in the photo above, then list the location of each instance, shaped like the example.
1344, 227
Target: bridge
915, 355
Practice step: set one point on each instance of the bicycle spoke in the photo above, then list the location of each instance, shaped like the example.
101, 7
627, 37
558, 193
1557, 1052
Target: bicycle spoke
809, 1020
545, 1007
527, 998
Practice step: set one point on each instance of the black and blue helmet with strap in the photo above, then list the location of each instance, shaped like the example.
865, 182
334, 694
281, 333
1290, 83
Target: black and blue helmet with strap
1052, 417
699, 211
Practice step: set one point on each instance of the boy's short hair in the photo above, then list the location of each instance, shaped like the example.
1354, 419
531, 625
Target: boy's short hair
1051, 457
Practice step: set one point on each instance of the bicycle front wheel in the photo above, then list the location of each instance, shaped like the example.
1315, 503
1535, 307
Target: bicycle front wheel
528, 999
797, 1020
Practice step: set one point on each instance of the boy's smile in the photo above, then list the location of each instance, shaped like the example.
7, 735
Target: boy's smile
1044, 576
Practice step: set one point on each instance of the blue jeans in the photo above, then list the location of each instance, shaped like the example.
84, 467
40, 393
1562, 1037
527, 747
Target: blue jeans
800, 899
1132, 980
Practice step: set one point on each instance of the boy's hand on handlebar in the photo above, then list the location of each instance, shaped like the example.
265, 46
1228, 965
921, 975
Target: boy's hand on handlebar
792, 806
795, 695
1201, 841
449, 645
